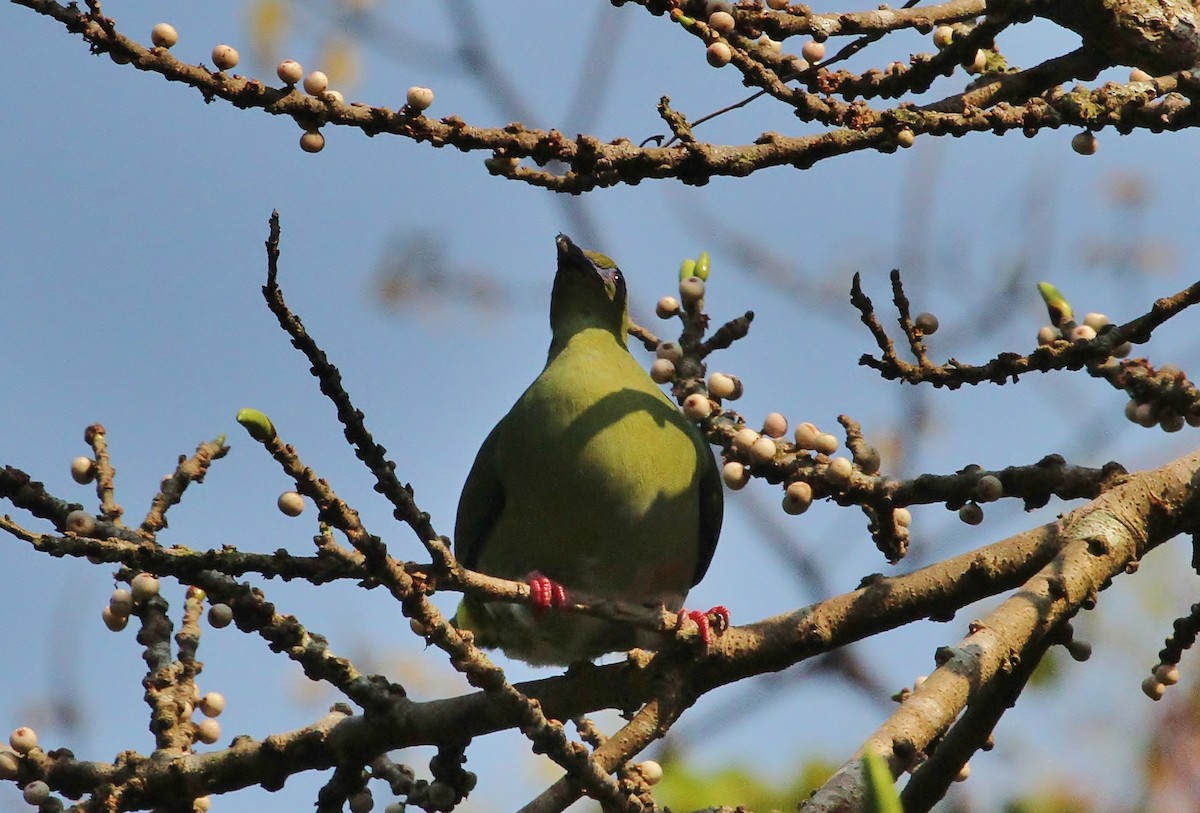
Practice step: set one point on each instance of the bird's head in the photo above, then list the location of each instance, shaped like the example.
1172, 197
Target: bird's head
589, 292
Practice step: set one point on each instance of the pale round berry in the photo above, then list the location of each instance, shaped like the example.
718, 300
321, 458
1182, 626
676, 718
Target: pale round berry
1139, 75
212, 704
662, 371
121, 602
718, 54
927, 323
667, 307
977, 63
80, 523
697, 407
797, 498
905, 138
691, 291
989, 488
1085, 143
813, 51
289, 71
721, 21
1171, 423
1153, 688
220, 616
418, 98
36, 792
114, 622
83, 470
1047, 335
806, 436
1079, 649
332, 97
722, 386
670, 351
1082, 333
744, 438
1131, 408
225, 57
963, 773
1145, 415
825, 443
775, 425
316, 83
838, 472
762, 450
1096, 321
735, 475
902, 517
10, 764
362, 802
971, 513
1167, 674
144, 586
943, 35
290, 503
312, 141
651, 771
208, 731
23, 740
201, 804
164, 35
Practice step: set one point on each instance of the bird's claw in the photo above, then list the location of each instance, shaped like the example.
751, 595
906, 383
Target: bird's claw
546, 594
716, 619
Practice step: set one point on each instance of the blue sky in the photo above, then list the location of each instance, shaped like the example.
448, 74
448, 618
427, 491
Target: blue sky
131, 231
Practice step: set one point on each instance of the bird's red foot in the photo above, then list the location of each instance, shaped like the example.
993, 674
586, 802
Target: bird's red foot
716, 619
546, 594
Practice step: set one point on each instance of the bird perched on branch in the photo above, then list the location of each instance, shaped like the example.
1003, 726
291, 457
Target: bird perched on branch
594, 481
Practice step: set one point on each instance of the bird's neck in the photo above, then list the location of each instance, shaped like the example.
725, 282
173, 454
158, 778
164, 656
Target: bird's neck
589, 338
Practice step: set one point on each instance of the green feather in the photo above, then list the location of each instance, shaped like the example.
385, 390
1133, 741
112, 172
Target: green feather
593, 479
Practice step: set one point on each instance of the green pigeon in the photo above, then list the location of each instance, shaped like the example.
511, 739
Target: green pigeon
594, 481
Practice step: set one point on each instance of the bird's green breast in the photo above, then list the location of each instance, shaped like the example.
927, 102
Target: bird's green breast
600, 478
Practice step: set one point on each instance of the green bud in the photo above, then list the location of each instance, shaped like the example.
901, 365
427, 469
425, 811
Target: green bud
1056, 304
881, 787
703, 265
687, 268
257, 424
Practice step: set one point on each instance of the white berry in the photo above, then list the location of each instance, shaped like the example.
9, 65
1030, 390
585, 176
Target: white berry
722, 386
762, 450
721, 21
667, 307
290, 503
839, 470
164, 35
1085, 143
806, 436
208, 731
419, 98
316, 83
289, 71
825, 443
691, 291
775, 425
212, 704
797, 498
144, 586
225, 57
718, 54
697, 407
813, 51
23, 740
651, 771
114, 622
36, 792
220, 615
735, 476
83, 470
312, 141
662, 371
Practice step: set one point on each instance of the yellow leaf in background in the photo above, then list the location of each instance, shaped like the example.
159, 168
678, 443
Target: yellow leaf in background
339, 60
267, 22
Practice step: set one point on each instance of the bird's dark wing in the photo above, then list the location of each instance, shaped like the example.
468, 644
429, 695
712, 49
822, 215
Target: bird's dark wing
481, 502
712, 511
